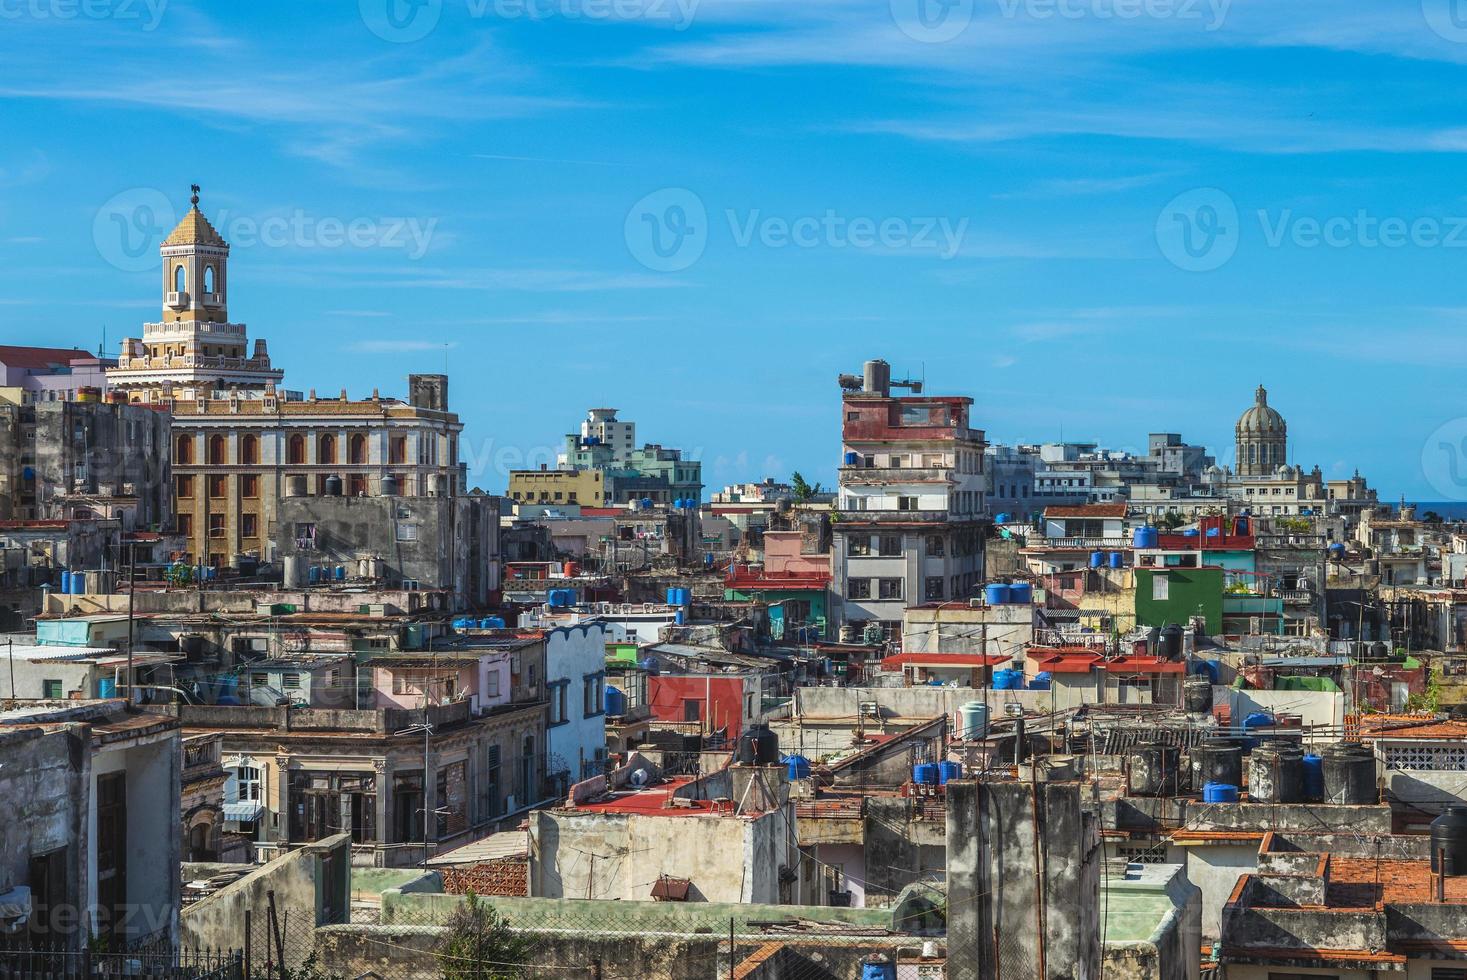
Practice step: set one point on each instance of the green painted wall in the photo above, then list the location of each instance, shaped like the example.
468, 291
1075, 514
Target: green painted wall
1189, 592
815, 597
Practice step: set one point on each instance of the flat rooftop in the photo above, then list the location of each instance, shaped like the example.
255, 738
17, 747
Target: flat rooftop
654, 801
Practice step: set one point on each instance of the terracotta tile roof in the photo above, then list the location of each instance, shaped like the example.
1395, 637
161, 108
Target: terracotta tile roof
41, 358
1087, 510
900, 660
1353, 883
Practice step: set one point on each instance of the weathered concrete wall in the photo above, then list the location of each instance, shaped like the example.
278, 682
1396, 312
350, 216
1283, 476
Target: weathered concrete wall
312, 881
1041, 904
44, 786
899, 849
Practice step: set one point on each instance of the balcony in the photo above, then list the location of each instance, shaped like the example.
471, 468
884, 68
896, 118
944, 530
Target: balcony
1084, 544
1296, 597
897, 516
896, 474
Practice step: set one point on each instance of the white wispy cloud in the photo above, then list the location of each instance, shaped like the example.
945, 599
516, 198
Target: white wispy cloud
398, 346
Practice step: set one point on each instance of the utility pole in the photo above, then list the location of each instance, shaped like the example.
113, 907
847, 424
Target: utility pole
132, 584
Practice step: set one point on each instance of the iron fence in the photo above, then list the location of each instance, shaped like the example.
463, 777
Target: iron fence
42, 964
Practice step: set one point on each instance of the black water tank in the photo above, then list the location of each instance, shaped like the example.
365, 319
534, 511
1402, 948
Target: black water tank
389, 487
1449, 842
333, 486
1197, 693
1349, 774
1153, 769
1216, 760
758, 746
1276, 773
1171, 641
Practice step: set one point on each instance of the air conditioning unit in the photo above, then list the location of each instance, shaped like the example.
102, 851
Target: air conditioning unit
177, 300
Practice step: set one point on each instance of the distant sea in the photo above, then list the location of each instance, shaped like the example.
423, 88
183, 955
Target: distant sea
1450, 510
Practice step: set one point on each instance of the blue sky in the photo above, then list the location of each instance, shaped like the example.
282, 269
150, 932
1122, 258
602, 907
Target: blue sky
1097, 217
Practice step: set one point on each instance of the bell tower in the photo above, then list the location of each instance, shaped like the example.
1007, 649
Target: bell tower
195, 270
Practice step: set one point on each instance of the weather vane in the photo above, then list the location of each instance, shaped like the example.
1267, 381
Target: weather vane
195, 199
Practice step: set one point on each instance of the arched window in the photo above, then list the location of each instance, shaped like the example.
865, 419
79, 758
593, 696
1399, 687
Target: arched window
208, 279
249, 449
295, 449
185, 453
218, 450
1253, 454
357, 448
179, 282
326, 449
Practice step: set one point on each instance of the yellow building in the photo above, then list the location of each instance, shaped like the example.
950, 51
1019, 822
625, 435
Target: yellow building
240, 442
584, 487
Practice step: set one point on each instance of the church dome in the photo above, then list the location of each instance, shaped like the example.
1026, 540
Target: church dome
1260, 418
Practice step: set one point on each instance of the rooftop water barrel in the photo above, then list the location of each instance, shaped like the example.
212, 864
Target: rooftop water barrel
680, 617
340, 573
672, 596
78, 583
1000, 518
333, 486
1041, 681
314, 575
948, 770
463, 623
1191, 532
570, 569
852, 458
799, 766
492, 623
1449, 842
1276, 773
1008, 680
1153, 769
878, 967
1021, 593
1097, 559
1312, 769
646, 503
758, 746
106, 687
1208, 667
925, 774
1197, 693
1219, 793
973, 720
1116, 560
1258, 719
388, 487
1214, 532
1144, 537
1349, 774
1337, 551
708, 559
1171, 642
616, 701
997, 594
1217, 761
65, 581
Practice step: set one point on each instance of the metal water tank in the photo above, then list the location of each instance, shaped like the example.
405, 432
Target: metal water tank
1152, 769
1449, 842
1349, 774
1276, 773
1197, 693
389, 487
333, 486
1217, 761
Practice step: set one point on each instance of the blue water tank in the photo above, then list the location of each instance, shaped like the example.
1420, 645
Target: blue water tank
878, 968
78, 583
1008, 680
1219, 793
925, 774
1000, 518
1021, 593
314, 576
672, 594
1041, 681
1313, 778
464, 623
106, 687
947, 769
997, 594
708, 560
1258, 719
852, 458
616, 701
492, 623
1145, 537
1213, 532
1116, 560
1208, 667
1097, 559
1191, 532
1337, 551
680, 617
646, 503
799, 766
66, 581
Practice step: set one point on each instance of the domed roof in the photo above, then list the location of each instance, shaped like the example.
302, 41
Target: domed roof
1260, 418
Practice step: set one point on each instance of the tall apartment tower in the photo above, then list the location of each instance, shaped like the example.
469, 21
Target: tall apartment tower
911, 511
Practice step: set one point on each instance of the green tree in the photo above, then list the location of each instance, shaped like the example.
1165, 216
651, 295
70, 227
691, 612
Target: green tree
1171, 520
803, 490
478, 944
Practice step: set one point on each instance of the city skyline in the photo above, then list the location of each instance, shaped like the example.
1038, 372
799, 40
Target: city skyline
480, 194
